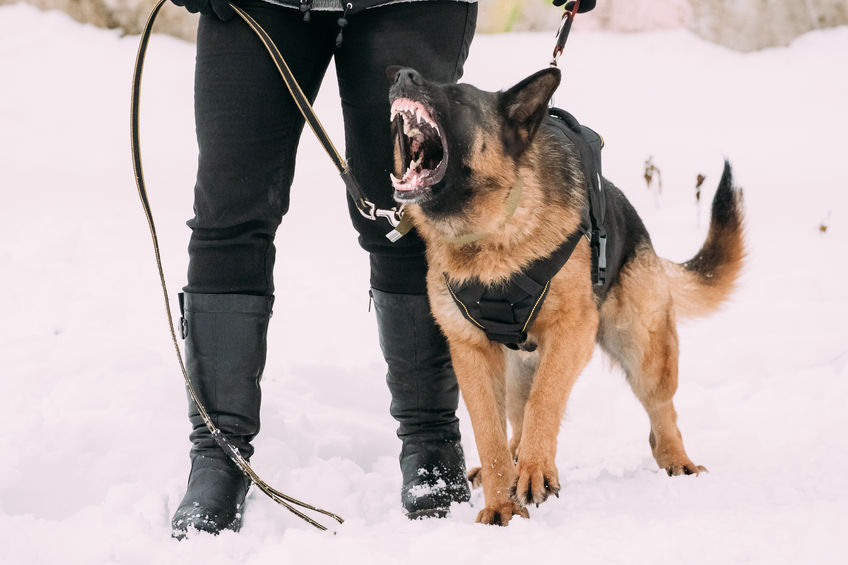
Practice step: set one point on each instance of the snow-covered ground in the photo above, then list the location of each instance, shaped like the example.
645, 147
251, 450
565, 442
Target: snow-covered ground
93, 431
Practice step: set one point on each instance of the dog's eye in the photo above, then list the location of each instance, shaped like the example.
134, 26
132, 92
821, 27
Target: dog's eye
458, 102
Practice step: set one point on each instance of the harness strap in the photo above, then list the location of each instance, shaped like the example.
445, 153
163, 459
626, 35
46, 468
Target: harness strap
505, 313
589, 144
222, 441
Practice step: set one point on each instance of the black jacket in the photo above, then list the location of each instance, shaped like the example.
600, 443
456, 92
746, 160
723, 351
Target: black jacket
355, 5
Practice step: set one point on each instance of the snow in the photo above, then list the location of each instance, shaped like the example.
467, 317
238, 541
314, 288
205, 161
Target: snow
94, 434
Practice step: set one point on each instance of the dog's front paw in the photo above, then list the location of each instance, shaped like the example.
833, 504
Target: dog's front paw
535, 483
501, 515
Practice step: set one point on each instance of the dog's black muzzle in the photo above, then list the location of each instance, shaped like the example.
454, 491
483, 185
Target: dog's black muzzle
404, 80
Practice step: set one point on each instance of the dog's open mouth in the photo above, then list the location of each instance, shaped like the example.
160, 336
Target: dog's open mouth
420, 151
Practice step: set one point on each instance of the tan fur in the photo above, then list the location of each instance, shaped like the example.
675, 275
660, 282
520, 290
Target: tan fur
638, 331
696, 296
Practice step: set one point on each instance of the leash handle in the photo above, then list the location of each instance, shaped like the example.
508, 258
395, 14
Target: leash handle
222, 441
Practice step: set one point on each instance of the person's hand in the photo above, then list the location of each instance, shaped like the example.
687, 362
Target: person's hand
585, 5
220, 8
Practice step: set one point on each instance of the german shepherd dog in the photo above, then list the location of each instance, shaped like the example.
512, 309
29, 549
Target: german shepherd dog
458, 153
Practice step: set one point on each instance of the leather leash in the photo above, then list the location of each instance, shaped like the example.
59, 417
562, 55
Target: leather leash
363, 204
303, 104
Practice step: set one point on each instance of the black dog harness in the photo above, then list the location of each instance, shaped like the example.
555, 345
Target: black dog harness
505, 312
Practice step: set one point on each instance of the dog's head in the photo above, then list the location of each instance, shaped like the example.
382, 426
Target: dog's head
454, 141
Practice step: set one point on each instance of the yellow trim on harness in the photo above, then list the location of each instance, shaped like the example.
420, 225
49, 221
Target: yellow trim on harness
464, 307
541, 298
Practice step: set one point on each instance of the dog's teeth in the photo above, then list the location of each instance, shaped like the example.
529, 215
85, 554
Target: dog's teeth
411, 177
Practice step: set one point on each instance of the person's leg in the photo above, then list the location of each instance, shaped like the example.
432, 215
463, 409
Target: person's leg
425, 396
248, 130
433, 38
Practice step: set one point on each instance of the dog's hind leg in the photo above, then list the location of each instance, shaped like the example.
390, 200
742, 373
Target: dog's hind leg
520, 368
638, 331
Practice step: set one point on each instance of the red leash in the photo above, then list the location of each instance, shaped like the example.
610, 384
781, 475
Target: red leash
564, 29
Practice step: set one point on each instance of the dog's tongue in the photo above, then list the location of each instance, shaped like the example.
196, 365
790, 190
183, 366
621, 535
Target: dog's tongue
400, 139
413, 173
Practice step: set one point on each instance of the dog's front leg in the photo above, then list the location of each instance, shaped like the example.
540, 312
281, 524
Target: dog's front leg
480, 372
561, 361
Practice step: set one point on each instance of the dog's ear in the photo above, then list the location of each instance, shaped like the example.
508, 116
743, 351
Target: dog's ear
524, 106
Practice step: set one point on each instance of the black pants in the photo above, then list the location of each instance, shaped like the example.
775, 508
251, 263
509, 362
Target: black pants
248, 130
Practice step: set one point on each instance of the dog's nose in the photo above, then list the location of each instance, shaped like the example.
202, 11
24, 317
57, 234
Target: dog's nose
408, 77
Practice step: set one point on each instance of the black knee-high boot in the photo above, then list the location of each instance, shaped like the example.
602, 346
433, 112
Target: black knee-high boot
425, 396
225, 346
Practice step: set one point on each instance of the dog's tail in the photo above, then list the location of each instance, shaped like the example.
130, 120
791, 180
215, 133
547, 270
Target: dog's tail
701, 284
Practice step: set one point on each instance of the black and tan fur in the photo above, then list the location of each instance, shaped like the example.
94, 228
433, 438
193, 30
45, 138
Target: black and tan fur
492, 139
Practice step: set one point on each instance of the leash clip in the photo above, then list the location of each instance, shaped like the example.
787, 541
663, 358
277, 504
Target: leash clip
393, 216
367, 208
563, 31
